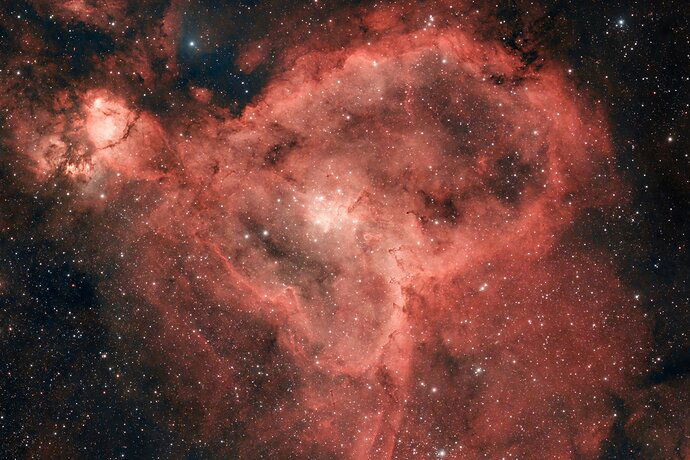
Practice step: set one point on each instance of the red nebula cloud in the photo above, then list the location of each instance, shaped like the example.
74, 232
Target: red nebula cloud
372, 260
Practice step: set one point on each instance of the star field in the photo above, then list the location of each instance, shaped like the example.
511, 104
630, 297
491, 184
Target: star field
367, 230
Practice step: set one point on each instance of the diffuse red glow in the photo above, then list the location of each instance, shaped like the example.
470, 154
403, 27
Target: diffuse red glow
370, 260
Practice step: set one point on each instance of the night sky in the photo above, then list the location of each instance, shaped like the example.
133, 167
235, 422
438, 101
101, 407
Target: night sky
344, 230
